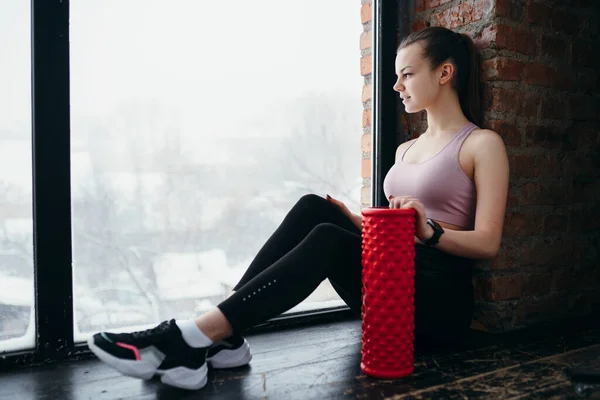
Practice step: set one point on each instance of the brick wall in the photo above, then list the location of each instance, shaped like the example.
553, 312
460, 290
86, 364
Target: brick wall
542, 96
366, 70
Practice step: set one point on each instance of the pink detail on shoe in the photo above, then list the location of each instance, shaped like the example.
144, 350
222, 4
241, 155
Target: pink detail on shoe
132, 348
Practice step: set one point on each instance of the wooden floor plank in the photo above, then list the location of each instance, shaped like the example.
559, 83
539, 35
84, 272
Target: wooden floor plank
323, 362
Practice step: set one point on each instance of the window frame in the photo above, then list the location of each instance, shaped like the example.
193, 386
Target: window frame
51, 153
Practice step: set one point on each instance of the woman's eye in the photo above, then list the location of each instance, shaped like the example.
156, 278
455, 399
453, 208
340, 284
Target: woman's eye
406, 75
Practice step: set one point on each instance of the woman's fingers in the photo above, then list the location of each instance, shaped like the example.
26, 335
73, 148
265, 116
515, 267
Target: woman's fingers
401, 201
334, 201
338, 203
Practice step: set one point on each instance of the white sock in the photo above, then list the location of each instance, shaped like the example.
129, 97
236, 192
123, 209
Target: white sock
192, 335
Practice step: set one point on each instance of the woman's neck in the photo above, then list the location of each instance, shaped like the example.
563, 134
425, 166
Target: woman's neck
445, 116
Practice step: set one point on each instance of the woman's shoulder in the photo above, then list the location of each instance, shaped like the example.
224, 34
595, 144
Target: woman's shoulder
481, 138
484, 145
402, 147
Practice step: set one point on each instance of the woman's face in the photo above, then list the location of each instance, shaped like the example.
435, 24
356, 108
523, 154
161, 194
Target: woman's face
417, 83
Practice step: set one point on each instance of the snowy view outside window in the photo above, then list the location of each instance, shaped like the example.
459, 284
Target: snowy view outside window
195, 127
17, 328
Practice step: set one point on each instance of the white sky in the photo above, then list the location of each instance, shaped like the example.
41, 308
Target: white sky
216, 69
216, 65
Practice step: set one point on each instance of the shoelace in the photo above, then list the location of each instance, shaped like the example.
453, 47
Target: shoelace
158, 330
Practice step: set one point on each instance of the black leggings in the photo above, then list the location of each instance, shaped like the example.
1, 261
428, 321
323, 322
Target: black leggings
316, 241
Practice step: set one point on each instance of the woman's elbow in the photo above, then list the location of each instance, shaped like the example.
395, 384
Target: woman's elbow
493, 247
492, 253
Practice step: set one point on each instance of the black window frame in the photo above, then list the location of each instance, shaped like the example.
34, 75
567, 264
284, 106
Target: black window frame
51, 151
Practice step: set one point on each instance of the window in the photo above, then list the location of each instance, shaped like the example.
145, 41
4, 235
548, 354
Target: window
194, 130
17, 326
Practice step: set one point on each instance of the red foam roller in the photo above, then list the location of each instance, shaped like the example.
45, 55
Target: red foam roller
388, 289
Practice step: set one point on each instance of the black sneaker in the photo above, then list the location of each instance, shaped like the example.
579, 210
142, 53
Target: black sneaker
231, 352
160, 350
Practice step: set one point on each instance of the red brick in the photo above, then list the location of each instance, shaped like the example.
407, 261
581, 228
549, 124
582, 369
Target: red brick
547, 251
365, 195
487, 37
435, 3
366, 65
521, 166
553, 106
366, 13
419, 25
539, 14
366, 39
509, 132
493, 317
553, 18
555, 223
537, 284
417, 121
509, 255
464, 13
366, 168
503, 100
365, 143
515, 39
499, 288
548, 165
553, 47
537, 193
503, 69
513, 197
543, 75
367, 92
522, 224
534, 310
532, 166
531, 104
511, 9
366, 118
551, 137
583, 108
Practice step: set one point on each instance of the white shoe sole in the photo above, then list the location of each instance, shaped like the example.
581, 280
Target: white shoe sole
180, 377
231, 358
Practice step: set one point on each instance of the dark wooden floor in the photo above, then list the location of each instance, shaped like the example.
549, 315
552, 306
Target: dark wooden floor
322, 362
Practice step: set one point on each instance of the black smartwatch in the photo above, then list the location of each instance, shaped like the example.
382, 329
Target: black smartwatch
437, 232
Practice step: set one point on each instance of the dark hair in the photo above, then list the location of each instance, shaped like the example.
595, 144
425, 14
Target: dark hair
441, 45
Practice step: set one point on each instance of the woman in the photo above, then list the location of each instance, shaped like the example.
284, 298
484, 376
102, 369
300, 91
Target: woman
455, 175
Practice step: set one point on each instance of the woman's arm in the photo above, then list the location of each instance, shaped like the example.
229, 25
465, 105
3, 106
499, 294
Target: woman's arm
357, 220
491, 175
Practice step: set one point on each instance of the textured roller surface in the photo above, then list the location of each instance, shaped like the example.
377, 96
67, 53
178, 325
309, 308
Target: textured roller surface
388, 254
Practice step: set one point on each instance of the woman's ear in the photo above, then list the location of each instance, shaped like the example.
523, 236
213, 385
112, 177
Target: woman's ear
446, 73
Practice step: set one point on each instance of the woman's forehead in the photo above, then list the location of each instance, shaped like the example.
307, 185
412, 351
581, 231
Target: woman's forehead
410, 55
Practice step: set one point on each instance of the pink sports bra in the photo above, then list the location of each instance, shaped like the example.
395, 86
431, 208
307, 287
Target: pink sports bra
438, 182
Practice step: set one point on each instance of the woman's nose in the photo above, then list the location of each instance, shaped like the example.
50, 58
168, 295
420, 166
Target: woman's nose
398, 87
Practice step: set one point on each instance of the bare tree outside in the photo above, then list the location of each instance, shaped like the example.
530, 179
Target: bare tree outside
186, 153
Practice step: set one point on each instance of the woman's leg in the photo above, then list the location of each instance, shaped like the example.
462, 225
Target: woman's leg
327, 251
310, 211
444, 298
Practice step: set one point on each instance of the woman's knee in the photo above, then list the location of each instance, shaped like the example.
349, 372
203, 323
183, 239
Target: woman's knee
331, 239
326, 231
311, 199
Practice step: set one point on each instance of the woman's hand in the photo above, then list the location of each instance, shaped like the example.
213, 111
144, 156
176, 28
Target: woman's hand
422, 230
355, 218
